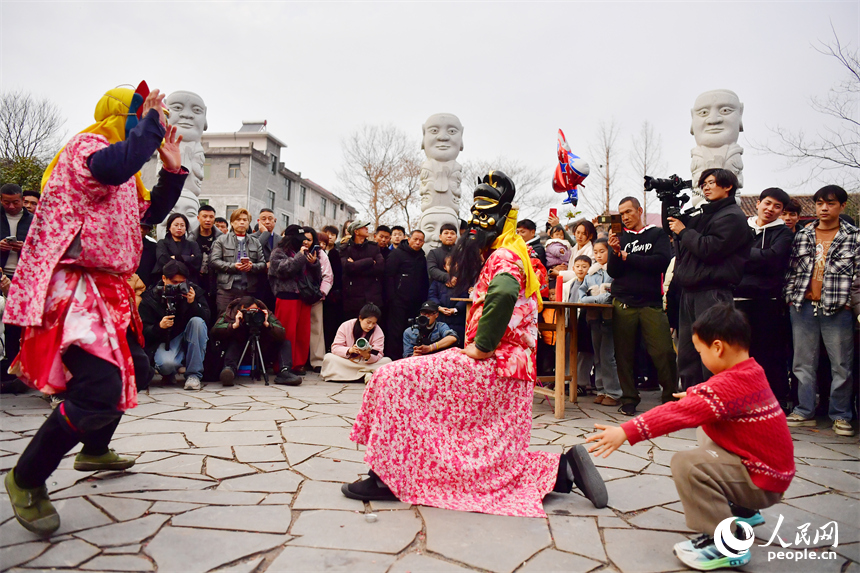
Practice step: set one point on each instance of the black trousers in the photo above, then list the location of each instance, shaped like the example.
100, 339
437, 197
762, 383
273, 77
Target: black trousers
278, 351
770, 330
88, 413
693, 305
398, 314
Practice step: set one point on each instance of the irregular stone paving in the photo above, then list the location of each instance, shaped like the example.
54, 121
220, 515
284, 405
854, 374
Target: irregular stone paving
247, 479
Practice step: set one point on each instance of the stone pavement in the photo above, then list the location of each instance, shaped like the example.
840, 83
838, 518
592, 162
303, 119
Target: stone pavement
247, 479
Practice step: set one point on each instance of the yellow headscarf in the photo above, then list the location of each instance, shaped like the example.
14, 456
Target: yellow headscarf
110, 115
513, 242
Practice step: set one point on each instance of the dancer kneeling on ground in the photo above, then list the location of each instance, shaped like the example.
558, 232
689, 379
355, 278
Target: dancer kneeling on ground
245, 316
452, 429
357, 349
82, 335
745, 458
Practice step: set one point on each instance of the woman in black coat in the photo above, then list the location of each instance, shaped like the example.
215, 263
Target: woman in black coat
176, 246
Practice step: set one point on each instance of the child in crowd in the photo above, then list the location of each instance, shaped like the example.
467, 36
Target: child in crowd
745, 457
558, 249
595, 290
585, 351
350, 360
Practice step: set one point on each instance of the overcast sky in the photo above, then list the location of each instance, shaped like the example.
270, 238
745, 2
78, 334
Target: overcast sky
513, 72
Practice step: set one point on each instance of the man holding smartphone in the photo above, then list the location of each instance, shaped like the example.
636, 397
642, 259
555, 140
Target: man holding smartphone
238, 259
14, 226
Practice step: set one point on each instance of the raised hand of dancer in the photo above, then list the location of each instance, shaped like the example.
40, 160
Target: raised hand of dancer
169, 151
609, 440
472, 351
155, 100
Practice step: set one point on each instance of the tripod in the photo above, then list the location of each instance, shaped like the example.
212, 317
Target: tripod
255, 338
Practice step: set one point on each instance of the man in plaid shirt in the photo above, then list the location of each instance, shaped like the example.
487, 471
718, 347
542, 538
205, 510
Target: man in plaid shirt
825, 259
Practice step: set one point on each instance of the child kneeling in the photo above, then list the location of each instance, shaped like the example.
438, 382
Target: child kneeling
351, 360
745, 458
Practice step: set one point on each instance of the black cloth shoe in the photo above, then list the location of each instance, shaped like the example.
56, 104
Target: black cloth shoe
227, 376
628, 409
585, 476
370, 489
287, 378
317, 369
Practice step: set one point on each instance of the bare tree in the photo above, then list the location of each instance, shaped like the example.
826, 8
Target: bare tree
29, 127
834, 147
604, 163
534, 185
647, 158
380, 171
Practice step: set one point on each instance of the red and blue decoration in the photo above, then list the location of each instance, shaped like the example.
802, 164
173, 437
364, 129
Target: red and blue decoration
570, 172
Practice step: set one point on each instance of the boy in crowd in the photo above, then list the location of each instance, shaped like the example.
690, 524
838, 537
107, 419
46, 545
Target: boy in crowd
759, 294
745, 457
825, 259
712, 249
398, 233
791, 214
383, 239
637, 260
585, 351
528, 231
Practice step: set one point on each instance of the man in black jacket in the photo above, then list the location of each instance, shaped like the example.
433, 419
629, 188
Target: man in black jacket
637, 260
712, 249
436, 257
174, 324
382, 236
406, 288
528, 231
759, 295
363, 270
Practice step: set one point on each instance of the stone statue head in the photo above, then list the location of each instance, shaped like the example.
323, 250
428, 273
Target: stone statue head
717, 118
443, 137
188, 114
431, 222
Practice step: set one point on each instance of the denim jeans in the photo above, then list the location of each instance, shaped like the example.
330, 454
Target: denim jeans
836, 332
189, 347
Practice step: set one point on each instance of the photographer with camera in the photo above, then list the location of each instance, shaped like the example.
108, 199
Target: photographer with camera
246, 322
174, 314
712, 249
426, 335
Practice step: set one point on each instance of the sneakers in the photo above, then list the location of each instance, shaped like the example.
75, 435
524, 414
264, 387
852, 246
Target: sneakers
107, 461
193, 383
585, 476
795, 420
701, 554
370, 489
751, 517
581, 391
32, 507
628, 409
227, 376
286, 378
843, 427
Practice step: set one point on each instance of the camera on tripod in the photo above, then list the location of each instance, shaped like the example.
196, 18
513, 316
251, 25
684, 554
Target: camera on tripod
171, 293
254, 318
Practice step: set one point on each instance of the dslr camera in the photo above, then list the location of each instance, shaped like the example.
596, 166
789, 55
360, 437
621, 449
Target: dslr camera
254, 318
422, 324
669, 193
170, 294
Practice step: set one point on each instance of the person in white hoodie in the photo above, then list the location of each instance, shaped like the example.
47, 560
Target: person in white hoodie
595, 289
759, 294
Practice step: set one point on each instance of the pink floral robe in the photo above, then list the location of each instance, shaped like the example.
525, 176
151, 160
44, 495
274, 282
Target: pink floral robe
83, 300
448, 431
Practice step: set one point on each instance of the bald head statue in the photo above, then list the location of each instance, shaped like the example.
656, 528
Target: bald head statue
443, 137
188, 114
717, 118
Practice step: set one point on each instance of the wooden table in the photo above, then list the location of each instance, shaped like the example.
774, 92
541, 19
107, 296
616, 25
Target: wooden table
563, 354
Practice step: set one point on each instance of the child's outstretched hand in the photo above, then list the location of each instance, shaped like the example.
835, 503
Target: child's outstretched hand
609, 440
679, 395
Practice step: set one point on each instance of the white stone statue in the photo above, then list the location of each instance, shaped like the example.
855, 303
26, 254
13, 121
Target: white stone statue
717, 120
188, 114
442, 142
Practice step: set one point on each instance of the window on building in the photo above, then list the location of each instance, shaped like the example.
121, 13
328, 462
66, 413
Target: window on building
230, 209
334, 211
274, 164
271, 204
206, 166
286, 220
313, 218
341, 206
303, 194
204, 202
288, 186
233, 170
324, 205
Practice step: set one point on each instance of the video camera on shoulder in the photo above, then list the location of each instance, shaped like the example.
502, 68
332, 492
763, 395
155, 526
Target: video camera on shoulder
669, 193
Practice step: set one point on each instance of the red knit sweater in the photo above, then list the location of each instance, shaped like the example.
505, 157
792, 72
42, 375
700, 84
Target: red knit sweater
738, 411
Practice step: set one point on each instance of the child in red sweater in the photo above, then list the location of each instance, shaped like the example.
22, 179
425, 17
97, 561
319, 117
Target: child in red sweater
745, 457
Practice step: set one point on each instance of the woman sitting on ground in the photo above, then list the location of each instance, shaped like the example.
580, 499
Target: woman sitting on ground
349, 359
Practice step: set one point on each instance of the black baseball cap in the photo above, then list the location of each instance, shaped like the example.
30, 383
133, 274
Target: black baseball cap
430, 306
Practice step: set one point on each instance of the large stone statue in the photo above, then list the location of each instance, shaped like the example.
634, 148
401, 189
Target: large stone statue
440, 175
188, 114
717, 123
